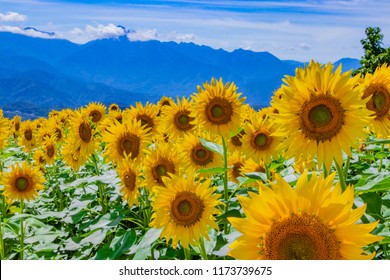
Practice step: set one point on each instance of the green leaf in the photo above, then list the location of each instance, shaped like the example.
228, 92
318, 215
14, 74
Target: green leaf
257, 176
374, 183
213, 170
211, 146
378, 141
142, 250
95, 236
122, 242
374, 204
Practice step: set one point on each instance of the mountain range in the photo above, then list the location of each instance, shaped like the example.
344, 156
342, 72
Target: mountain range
38, 75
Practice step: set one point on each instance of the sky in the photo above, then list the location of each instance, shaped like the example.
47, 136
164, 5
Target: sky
320, 30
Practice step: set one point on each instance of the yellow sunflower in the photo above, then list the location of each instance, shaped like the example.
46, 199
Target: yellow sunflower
194, 156
4, 130
147, 115
159, 163
314, 221
82, 134
50, 150
129, 173
27, 135
113, 108
262, 139
95, 111
236, 161
319, 112
217, 107
71, 154
39, 159
165, 101
175, 120
185, 209
15, 125
125, 139
376, 87
23, 182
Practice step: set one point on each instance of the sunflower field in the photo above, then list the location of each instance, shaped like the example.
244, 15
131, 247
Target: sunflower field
205, 177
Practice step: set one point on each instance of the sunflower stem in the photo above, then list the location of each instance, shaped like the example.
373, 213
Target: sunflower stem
381, 160
2, 254
21, 238
346, 167
325, 170
340, 172
225, 183
187, 254
95, 162
202, 249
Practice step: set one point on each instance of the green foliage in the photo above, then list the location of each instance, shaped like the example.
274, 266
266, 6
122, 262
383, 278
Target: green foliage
374, 53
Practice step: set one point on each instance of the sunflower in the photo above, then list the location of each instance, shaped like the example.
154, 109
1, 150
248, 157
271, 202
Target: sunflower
163, 161
185, 209
129, 173
50, 150
82, 134
147, 115
194, 156
217, 107
4, 130
318, 113
262, 139
125, 139
15, 125
236, 161
22, 182
27, 135
176, 120
314, 221
235, 142
113, 108
71, 154
165, 101
376, 88
95, 111
39, 159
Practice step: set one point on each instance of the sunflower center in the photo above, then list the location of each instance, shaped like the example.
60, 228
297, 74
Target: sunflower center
261, 140
129, 144
201, 156
183, 120
320, 115
28, 134
236, 139
21, 183
58, 132
219, 111
129, 180
186, 209
301, 237
50, 151
321, 118
162, 168
96, 116
145, 120
236, 170
85, 132
379, 101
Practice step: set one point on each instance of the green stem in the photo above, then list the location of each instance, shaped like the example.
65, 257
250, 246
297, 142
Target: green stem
2, 253
187, 254
346, 167
202, 249
343, 184
381, 160
325, 170
95, 162
225, 183
21, 255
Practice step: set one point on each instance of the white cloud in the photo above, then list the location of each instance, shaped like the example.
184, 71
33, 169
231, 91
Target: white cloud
28, 32
104, 31
12, 16
143, 35
180, 37
304, 46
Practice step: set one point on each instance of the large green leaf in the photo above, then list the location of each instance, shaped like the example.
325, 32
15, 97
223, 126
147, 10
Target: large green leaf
374, 183
211, 146
143, 249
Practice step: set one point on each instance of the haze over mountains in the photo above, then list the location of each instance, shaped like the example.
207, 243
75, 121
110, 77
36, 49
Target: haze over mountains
38, 75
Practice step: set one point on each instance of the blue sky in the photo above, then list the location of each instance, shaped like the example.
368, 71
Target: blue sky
323, 30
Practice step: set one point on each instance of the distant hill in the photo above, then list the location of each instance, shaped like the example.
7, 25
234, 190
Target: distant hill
38, 75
